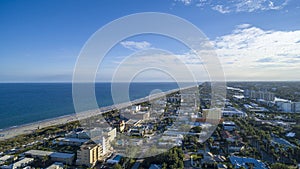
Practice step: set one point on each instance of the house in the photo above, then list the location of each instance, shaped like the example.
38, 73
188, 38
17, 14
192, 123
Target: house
221, 166
155, 166
19, 164
56, 166
228, 125
6, 158
246, 162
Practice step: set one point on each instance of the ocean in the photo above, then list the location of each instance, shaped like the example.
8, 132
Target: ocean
22, 103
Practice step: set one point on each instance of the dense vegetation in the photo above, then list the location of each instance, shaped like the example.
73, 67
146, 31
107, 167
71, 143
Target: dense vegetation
171, 159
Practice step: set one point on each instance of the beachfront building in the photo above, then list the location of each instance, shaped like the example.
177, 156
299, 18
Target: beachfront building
120, 126
136, 108
89, 154
110, 133
140, 115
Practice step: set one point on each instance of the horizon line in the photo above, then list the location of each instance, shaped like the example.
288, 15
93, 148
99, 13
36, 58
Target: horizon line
148, 81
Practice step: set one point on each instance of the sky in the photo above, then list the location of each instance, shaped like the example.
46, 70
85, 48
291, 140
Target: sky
40, 41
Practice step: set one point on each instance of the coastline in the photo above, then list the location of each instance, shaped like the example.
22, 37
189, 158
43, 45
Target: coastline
31, 127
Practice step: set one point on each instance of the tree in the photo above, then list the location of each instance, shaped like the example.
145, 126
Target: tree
117, 166
164, 166
197, 129
279, 166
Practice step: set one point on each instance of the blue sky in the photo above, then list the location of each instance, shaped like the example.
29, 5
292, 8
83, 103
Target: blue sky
254, 39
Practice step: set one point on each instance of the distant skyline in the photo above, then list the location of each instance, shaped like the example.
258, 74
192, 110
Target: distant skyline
255, 40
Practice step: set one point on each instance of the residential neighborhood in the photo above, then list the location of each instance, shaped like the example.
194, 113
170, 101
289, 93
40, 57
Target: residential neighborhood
252, 132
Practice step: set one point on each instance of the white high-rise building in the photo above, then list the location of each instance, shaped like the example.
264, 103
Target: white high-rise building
296, 107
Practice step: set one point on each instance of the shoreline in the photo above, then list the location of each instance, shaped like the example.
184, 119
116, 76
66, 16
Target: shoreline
28, 128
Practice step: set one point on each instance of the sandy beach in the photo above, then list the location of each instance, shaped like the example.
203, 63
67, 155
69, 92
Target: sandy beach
31, 127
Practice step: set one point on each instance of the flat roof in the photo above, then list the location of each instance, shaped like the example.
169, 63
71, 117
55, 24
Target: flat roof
88, 146
56, 166
49, 153
22, 162
6, 157
61, 155
131, 121
77, 140
228, 123
242, 161
38, 152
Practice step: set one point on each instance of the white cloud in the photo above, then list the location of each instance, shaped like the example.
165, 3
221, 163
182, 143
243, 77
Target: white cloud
238, 5
262, 54
132, 45
243, 26
255, 5
221, 9
247, 53
185, 2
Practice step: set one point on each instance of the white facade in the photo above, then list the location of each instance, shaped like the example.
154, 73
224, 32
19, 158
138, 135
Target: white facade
136, 108
285, 106
229, 125
296, 107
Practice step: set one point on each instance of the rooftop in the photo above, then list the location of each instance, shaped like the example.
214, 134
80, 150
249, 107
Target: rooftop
88, 146
56, 166
6, 157
77, 140
48, 153
22, 162
61, 155
239, 162
228, 123
38, 153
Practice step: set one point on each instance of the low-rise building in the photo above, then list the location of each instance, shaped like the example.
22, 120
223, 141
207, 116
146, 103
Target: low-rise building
239, 162
221, 166
132, 123
22, 163
231, 112
70, 141
56, 166
120, 126
136, 108
155, 166
54, 156
229, 125
137, 131
6, 158
140, 115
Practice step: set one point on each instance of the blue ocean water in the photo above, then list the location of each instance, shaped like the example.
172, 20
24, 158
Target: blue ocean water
22, 103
